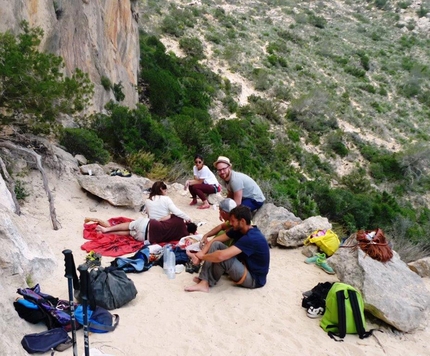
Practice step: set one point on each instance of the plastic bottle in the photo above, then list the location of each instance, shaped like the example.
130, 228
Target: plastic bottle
166, 250
171, 265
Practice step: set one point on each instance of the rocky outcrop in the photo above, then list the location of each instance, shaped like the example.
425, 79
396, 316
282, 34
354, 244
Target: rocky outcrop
99, 37
421, 267
391, 291
270, 219
118, 191
24, 258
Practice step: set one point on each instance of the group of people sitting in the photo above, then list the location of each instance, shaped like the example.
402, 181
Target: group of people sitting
240, 187
236, 247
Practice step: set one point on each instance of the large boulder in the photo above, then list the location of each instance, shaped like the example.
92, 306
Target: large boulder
296, 235
421, 267
118, 191
270, 219
391, 291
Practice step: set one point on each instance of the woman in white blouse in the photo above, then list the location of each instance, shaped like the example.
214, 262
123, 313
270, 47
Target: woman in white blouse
203, 184
159, 206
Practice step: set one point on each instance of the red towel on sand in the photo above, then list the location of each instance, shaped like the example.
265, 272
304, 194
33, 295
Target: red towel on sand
109, 244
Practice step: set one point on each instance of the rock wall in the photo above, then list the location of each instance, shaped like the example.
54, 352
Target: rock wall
99, 36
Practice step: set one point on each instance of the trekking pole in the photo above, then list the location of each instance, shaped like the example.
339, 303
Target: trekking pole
83, 274
69, 264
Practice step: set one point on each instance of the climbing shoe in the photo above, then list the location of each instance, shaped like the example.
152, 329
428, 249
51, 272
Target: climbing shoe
322, 263
93, 259
123, 173
314, 258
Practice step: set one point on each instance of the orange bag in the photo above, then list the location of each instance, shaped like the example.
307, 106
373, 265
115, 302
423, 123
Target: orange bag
374, 244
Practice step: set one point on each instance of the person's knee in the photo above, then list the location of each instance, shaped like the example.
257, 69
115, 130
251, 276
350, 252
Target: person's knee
217, 245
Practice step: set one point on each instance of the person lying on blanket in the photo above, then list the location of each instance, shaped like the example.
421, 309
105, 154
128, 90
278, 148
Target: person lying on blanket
152, 230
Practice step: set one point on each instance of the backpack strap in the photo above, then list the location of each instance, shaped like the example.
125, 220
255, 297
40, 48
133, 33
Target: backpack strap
341, 313
341, 317
362, 333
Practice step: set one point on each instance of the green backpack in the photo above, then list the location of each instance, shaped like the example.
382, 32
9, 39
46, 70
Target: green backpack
344, 313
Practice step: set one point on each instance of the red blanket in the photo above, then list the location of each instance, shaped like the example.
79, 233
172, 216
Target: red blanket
109, 244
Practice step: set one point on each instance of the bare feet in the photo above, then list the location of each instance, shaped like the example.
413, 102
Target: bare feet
196, 280
202, 286
98, 221
101, 228
205, 205
193, 202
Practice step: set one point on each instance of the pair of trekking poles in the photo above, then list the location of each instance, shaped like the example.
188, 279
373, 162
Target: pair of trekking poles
81, 284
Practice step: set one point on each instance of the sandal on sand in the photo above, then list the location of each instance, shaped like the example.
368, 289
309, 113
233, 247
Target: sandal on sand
204, 207
315, 312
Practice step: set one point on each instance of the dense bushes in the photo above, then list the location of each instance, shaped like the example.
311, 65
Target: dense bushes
84, 142
32, 82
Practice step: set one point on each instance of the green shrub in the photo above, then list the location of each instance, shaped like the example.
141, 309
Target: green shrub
356, 72
404, 4
335, 144
84, 142
230, 104
317, 21
282, 92
192, 47
20, 190
140, 162
106, 83
265, 108
125, 131
380, 4
172, 26
312, 112
32, 82
411, 25
422, 11
367, 87
293, 135
357, 181
411, 88
117, 92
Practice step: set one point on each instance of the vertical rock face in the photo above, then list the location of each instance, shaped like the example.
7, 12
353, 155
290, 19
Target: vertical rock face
99, 36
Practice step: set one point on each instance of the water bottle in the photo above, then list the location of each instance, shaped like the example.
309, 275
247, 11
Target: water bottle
166, 250
171, 265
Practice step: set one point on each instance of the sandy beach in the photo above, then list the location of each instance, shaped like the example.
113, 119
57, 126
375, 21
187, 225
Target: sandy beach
229, 320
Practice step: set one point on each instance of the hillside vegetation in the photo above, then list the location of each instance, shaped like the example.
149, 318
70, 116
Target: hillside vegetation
343, 87
326, 104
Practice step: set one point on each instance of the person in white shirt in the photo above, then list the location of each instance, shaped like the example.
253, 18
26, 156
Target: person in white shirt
203, 184
159, 206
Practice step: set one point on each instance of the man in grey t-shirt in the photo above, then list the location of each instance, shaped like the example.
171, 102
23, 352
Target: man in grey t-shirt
240, 187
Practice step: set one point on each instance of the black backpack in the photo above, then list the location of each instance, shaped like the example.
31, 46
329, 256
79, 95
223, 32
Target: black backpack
316, 296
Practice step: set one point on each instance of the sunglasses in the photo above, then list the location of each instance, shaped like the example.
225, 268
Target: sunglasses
198, 162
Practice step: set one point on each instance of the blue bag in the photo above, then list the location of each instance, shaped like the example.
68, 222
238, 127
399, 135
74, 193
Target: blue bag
138, 263
47, 340
99, 320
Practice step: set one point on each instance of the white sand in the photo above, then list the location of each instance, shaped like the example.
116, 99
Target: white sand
229, 320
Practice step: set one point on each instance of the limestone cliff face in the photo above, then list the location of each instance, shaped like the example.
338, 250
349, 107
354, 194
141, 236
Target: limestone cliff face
98, 36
